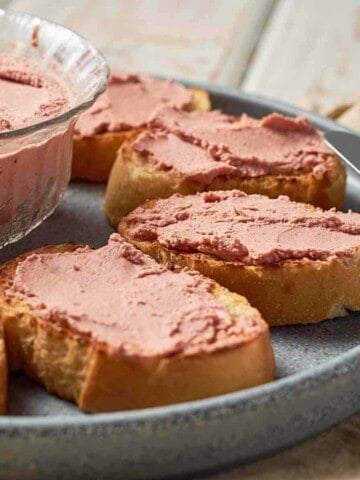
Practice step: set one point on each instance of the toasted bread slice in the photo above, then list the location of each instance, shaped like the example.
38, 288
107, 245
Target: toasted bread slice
133, 181
185, 153
76, 366
93, 157
291, 284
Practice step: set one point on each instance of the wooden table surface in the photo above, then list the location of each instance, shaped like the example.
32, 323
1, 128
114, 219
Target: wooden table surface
305, 52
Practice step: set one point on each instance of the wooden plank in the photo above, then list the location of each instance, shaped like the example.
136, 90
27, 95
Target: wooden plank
351, 118
197, 39
309, 54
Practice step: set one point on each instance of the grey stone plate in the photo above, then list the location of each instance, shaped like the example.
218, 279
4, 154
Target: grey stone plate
317, 385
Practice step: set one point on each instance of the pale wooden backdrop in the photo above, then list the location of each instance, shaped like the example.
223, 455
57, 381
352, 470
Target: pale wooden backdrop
302, 51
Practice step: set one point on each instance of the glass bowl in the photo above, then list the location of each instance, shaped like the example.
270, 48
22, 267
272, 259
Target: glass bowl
35, 161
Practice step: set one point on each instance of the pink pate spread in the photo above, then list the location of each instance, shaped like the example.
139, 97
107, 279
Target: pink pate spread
250, 229
29, 164
124, 300
130, 101
28, 94
201, 146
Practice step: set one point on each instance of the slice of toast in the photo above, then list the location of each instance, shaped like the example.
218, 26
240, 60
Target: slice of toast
151, 165
102, 373
307, 263
94, 156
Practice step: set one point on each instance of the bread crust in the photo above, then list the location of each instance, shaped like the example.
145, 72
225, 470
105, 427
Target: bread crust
292, 292
93, 157
133, 181
3, 373
73, 366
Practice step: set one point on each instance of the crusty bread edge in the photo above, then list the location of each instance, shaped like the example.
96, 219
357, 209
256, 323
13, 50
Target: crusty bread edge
293, 292
73, 367
3, 373
93, 157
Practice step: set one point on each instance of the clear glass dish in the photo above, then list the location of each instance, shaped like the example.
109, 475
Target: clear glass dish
35, 161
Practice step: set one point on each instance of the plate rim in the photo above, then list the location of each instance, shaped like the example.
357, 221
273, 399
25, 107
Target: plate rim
220, 405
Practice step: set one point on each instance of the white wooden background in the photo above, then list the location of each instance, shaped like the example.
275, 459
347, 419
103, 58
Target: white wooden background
302, 51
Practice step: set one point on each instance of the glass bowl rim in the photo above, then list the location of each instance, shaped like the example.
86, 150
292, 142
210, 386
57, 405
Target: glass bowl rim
68, 114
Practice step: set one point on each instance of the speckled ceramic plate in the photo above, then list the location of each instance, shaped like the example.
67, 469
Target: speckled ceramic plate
317, 385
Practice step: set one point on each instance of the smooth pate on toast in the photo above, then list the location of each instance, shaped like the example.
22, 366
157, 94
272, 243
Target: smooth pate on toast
189, 152
295, 263
101, 131
110, 329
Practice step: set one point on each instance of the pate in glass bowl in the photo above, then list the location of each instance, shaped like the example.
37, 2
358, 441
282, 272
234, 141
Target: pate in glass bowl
48, 76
